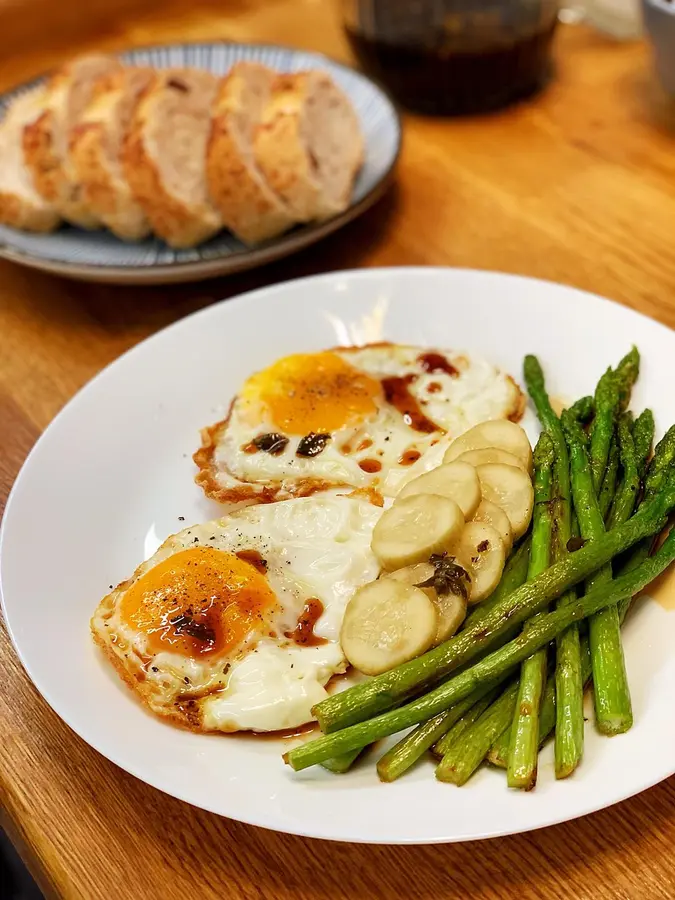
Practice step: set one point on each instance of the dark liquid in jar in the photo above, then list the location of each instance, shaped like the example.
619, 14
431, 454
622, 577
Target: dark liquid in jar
447, 81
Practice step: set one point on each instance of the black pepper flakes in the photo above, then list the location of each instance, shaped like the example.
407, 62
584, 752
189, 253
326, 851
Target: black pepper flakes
181, 518
483, 546
155, 669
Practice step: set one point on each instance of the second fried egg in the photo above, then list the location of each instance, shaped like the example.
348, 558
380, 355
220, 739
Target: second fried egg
365, 417
234, 624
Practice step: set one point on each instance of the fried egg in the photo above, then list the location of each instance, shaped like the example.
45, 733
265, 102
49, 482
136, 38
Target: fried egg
368, 417
234, 624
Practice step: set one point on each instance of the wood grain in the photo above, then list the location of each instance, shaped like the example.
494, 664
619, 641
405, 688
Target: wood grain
577, 186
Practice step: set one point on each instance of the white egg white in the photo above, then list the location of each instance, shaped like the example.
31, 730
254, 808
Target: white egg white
454, 402
314, 547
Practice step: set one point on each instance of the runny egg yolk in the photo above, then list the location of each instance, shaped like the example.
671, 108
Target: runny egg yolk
198, 601
306, 392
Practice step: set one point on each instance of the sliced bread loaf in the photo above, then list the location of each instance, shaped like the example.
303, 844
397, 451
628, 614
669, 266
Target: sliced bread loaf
164, 156
95, 147
309, 144
248, 205
46, 141
21, 206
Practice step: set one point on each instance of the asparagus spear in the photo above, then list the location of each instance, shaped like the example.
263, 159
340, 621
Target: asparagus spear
522, 767
570, 729
461, 726
513, 577
569, 732
610, 480
487, 669
626, 375
613, 710
464, 757
385, 691
643, 435
409, 749
661, 464
583, 410
664, 455
499, 751
643, 438
624, 502
498, 754
607, 400
341, 764
536, 386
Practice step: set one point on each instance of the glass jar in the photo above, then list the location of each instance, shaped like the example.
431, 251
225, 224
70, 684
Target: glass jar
452, 57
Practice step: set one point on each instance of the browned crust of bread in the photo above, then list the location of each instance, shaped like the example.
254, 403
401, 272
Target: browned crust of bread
46, 166
86, 150
280, 151
15, 213
239, 197
39, 155
284, 156
11, 210
248, 205
168, 216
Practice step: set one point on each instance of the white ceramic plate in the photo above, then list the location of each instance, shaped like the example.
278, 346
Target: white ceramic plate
100, 256
112, 474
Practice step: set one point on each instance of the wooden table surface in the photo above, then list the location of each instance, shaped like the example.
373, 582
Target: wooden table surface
578, 187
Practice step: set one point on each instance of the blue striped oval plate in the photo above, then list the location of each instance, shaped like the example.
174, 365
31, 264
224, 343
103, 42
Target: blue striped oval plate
99, 256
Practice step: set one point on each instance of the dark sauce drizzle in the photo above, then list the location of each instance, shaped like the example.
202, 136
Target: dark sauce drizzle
436, 362
201, 631
254, 558
397, 393
408, 457
303, 634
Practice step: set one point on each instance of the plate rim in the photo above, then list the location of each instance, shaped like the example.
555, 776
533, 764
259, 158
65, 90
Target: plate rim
242, 260
241, 299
